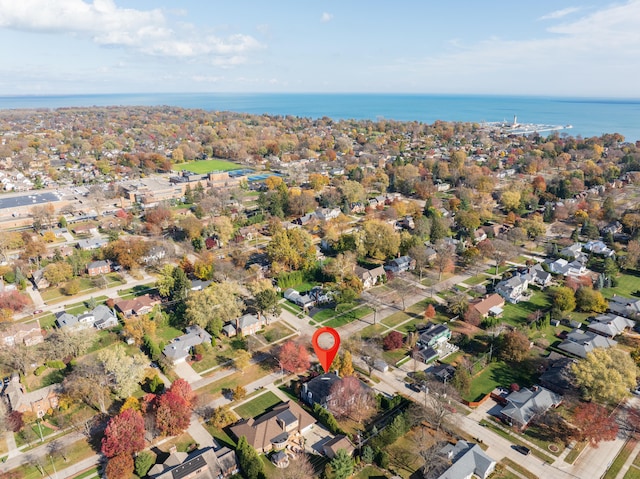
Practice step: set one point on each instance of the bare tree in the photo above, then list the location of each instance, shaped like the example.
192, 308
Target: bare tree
444, 259
299, 466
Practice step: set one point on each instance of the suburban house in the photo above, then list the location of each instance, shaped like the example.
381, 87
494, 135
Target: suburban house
566, 268
179, 349
580, 343
610, 325
85, 229
304, 301
199, 284
39, 281
513, 289
491, 305
317, 390
204, 463
326, 214
101, 317
467, 460
136, 306
38, 401
523, 405
628, 307
574, 252
479, 235
433, 342
92, 243
96, 268
332, 446
369, 277
537, 275
28, 334
245, 325
276, 429
598, 247
401, 264
558, 376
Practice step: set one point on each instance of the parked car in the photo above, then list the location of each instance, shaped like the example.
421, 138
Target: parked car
522, 449
37, 311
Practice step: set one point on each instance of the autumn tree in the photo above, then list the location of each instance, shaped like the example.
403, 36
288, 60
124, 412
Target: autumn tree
501, 251
299, 466
444, 258
119, 467
57, 273
350, 398
136, 327
594, 423
563, 298
605, 375
294, 357
242, 360
124, 434
346, 365
430, 312
173, 414
182, 389
214, 306
125, 370
513, 346
293, 249
392, 341
223, 227
126, 252
379, 239
590, 300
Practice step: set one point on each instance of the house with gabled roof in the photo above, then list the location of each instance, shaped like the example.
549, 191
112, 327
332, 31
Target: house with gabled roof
96, 268
101, 317
38, 401
580, 343
513, 289
369, 277
206, 463
332, 446
628, 307
28, 334
610, 325
179, 349
467, 460
398, 265
274, 429
491, 305
525, 404
136, 306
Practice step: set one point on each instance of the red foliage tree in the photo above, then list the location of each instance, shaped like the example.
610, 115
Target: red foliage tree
119, 467
173, 414
182, 388
294, 357
124, 434
13, 300
430, 312
14, 421
594, 423
350, 398
472, 316
393, 340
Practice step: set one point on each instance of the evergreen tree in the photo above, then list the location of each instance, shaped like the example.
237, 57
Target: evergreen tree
250, 464
341, 465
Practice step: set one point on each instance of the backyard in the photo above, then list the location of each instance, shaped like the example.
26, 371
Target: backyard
257, 405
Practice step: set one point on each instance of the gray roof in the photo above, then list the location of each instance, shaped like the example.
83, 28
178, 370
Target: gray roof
524, 404
318, 389
468, 459
180, 346
97, 264
201, 464
579, 342
247, 320
610, 324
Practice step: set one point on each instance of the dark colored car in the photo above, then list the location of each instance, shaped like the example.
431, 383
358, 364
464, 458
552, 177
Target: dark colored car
522, 450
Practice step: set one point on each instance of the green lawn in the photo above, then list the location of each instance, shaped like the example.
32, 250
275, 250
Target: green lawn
396, 319
475, 280
628, 284
257, 405
370, 472
620, 459
167, 333
392, 357
373, 331
349, 316
516, 314
74, 453
206, 166
56, 295
220, 435
496, 374
632, 473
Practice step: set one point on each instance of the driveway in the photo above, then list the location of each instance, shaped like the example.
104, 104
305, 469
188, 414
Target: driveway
186, 372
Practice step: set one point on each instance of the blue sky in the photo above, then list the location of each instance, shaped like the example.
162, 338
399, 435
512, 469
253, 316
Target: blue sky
546, 47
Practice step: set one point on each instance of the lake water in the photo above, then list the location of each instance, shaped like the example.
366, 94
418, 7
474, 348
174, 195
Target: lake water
588, 116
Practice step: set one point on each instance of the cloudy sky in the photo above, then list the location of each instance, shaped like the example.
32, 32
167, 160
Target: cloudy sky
546, 47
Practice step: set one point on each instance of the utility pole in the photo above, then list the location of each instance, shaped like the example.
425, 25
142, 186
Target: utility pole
54, 466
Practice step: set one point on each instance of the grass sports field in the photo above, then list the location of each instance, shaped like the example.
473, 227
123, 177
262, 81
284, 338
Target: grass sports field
205, 166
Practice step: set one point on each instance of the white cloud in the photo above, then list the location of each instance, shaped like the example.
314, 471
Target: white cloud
147, 31
326, 17
598, 49
560, 13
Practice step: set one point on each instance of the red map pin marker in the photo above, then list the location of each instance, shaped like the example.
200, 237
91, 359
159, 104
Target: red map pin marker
326, 355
